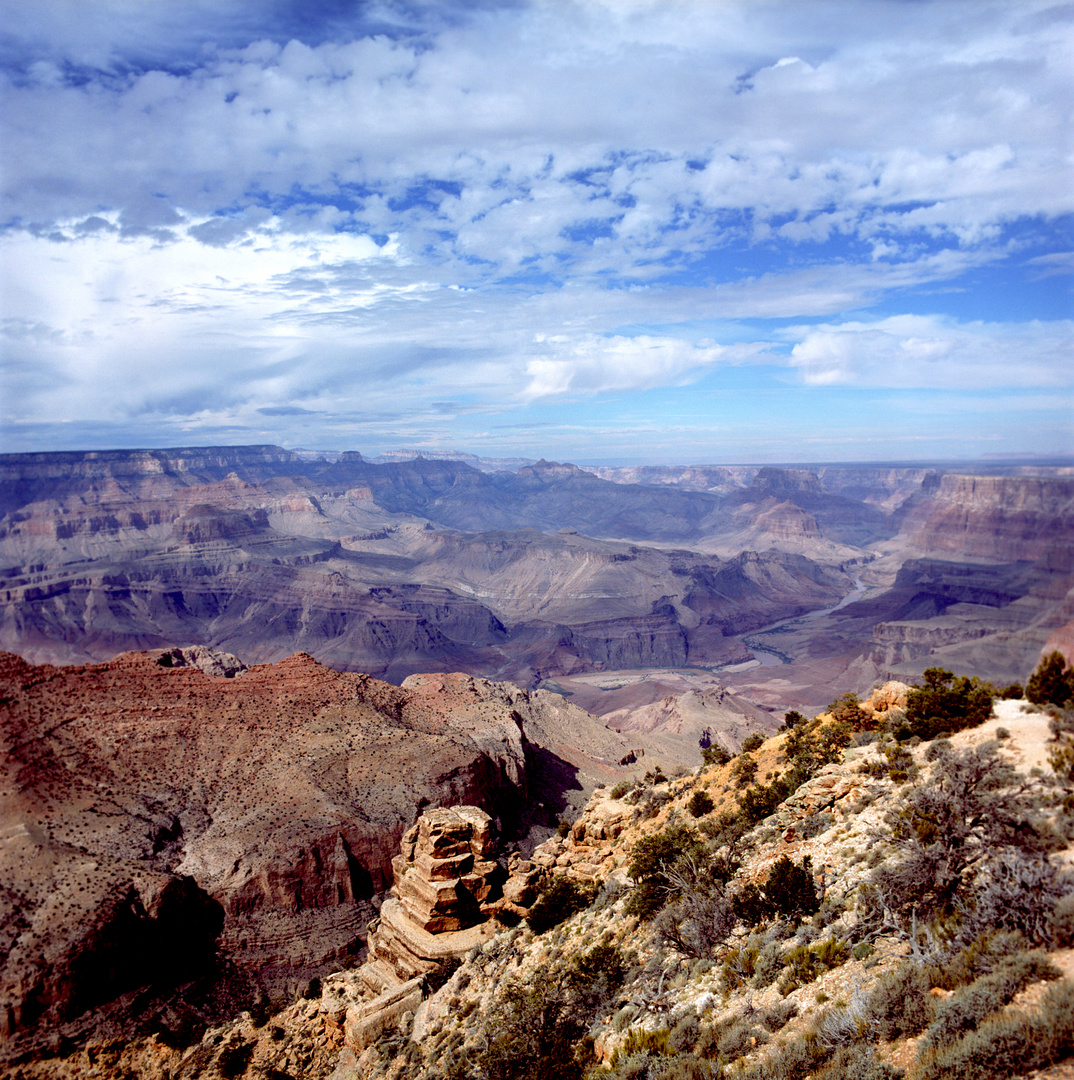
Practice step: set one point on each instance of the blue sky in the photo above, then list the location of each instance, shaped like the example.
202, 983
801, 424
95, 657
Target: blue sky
618, 231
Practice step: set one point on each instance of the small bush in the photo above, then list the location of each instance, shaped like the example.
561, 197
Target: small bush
757, 802
642, 1041
768, 965
791, 719
1052, 682
1011, 1044
847, 709
752, 742
681, 1067
684, 1034
808, 962
792, 1060
165, 659
858, 1063
979, 957
814, 825
969, 1005
899, 1004
779, 1015
714, 755
739, 1040
1063, 922
700, 804
621, 789
559, 899
652, 858
789, 892
945, 704
744, 770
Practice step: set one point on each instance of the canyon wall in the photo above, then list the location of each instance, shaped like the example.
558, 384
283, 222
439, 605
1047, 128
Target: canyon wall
162, 827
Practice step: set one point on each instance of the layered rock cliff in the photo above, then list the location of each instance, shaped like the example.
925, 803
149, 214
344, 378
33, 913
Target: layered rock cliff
163, 827
1000, 518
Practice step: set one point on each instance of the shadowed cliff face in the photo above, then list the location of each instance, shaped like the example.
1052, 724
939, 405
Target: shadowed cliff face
164, 828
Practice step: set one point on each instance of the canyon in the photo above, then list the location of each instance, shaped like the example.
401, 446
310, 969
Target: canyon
775, 582
236, 678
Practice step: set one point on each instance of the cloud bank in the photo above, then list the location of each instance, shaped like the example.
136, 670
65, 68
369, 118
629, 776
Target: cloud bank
332, 225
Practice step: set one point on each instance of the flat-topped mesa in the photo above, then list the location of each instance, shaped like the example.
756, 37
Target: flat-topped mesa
445, 873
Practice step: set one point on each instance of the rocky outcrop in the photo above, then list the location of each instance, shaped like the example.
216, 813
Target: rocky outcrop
211, 661
447, 888
445, 872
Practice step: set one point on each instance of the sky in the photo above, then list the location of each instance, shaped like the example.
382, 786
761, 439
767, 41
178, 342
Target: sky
603, 231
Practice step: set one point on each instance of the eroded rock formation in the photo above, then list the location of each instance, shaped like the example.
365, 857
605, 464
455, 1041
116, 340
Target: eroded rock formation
447, 888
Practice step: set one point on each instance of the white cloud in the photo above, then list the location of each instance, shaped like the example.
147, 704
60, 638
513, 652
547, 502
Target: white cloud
593, 365
916, 352
218, 208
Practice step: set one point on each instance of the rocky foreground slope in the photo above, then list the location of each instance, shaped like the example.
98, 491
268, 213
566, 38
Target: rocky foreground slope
898, 908
176, 844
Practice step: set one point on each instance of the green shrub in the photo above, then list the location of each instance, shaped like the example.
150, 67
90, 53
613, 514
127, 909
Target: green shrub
1011, 1044
779, 1015
968, 839
739, 1040
621, 789
791, 719
971, 1004
681, 1067
768, 965
752, 742
684, 1034
847, 709
559, 899
595, 976
757, 802
534, 1031
165, 659
652, 859
978, 957
714, 755
1052, 682
898, 764
858, 1063
809, 962
945, 704
744, 770
700, 804
642, 1041
792, 1060
788, 892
